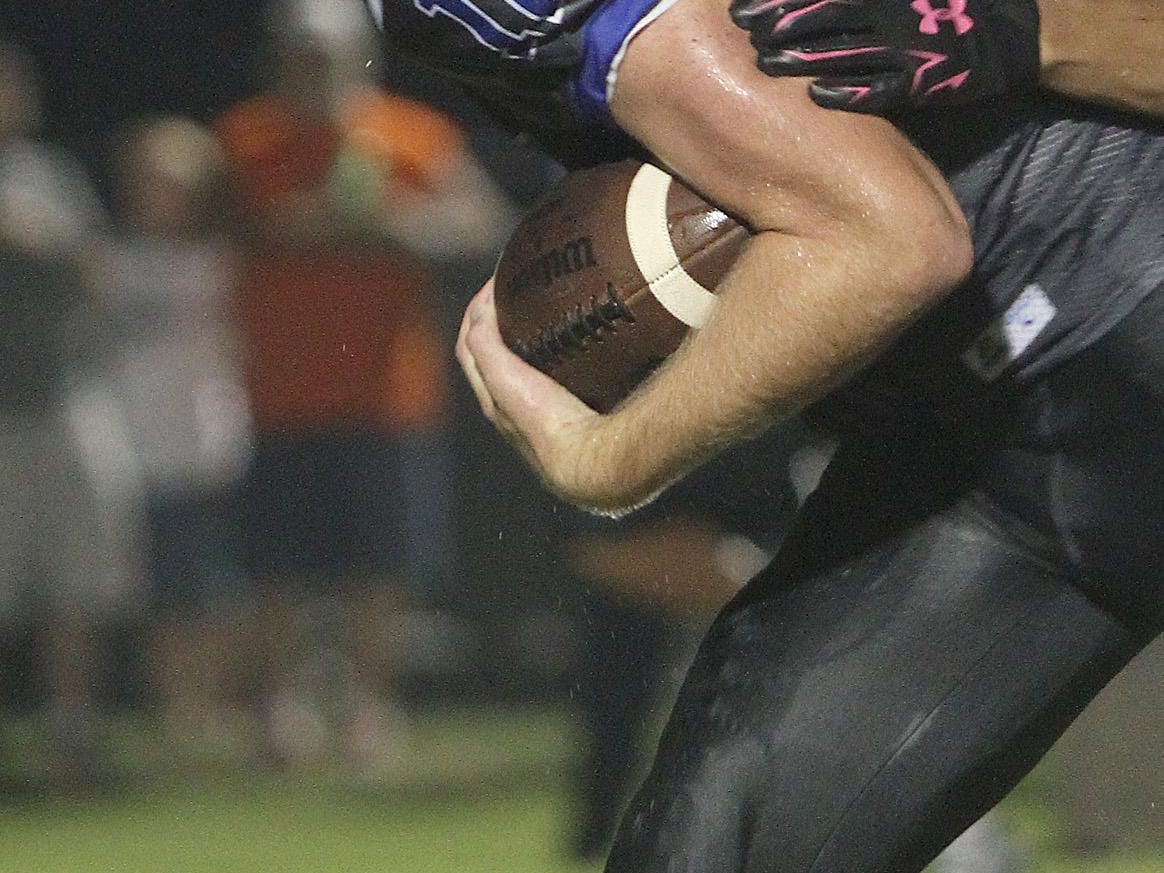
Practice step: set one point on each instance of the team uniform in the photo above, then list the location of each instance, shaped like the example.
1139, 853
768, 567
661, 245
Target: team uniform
982, 555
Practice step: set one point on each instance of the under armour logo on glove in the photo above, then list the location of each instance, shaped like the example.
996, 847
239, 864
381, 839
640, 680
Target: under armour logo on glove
880, 55
955, 12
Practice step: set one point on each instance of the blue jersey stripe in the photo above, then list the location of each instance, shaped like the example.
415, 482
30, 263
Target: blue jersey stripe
603, 37
488, 30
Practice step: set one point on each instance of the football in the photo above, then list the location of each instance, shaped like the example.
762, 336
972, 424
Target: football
603, 280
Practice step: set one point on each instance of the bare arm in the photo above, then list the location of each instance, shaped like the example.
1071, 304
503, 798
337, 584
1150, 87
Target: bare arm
1108, 52
856, 234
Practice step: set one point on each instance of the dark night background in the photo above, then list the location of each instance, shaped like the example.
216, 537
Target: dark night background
106, 62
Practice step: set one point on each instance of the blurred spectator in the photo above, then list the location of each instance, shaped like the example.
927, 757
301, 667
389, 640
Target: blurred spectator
345, 194
165, 282
64, 468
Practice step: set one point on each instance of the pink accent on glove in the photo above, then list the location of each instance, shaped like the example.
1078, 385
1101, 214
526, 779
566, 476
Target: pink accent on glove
857, 93
787, 20
952, 84
838, 53
930, 60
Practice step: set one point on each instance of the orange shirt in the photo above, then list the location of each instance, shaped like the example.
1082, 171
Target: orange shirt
419, 144
338, 332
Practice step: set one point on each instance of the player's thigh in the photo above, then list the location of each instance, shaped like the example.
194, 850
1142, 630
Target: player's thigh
857, 707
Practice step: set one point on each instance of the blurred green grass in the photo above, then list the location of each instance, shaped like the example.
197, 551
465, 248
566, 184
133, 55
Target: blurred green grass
476, 792
472, 792
274, 825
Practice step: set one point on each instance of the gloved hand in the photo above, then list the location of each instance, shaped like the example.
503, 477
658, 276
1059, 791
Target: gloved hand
879, 55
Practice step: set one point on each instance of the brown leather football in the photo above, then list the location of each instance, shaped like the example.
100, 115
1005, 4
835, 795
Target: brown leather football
603, 280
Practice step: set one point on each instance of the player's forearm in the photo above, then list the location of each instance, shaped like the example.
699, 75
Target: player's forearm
856, 235
1107, 52
774, 346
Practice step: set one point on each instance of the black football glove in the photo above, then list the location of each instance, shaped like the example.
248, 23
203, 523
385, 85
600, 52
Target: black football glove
514, 57
881, 55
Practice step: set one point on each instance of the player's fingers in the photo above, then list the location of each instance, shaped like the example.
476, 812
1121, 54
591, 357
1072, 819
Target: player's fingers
530, 407
867, 94
468, 362
839, 58
818, 22
503, 375
756, 15
499, 377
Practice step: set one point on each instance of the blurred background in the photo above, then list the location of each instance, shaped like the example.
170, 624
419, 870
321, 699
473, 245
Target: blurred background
271, 593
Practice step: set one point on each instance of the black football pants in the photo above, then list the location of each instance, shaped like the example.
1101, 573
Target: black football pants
952, 598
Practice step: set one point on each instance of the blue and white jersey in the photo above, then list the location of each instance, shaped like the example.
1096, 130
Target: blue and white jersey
604, 40
461, 34
522, 60
525, 37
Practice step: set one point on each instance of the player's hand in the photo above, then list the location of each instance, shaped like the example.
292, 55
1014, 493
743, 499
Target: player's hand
880, 55
559, 436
